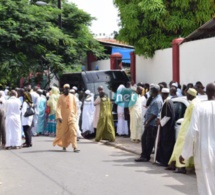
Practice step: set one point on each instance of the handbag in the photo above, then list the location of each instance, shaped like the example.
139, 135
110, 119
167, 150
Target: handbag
29, 112
48, 110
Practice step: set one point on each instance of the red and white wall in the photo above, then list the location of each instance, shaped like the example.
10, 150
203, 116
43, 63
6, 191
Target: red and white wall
156, 69
101, 64
186, 63
197, 61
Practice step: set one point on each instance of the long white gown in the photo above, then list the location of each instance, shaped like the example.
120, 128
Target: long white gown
35, 99
78, 105
122, 124
13, 122
88, 114
200, 143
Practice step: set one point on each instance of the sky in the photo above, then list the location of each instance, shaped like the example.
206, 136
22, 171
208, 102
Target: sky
105, 12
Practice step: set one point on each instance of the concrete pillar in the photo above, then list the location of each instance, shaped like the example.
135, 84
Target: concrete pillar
176, 59
115, 61
133, 66
90, 58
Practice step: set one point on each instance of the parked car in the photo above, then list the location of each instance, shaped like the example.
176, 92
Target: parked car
180, 105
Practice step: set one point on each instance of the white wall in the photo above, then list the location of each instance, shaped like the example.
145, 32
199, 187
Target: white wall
102, 64
156, 69
197, 59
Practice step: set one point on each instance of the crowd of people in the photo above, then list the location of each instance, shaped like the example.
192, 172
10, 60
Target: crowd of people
150, 119
30, 112
194, 146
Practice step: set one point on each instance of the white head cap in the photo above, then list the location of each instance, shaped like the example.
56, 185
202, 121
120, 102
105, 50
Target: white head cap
72, 91
87, 91
40, 90
152, 85
175, 85
165, 90
75, 88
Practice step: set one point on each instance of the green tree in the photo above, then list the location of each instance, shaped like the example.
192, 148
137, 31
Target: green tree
31, 40
149, 25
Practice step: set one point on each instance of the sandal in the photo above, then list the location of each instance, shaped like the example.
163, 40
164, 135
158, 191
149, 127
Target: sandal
76, 150
64, 149
180, 170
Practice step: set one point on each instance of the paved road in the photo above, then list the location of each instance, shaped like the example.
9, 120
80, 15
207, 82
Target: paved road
96, 170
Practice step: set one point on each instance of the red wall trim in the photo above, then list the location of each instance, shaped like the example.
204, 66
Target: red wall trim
133, 66
90, 58
115, 61
176, 59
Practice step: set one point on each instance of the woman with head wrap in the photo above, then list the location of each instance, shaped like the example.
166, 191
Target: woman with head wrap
54, 95
41, 107
27, 121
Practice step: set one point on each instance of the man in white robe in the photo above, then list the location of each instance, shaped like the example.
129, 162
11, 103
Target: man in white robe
76, 91
200, 143
78, 105
35, 98
88, 114
13, 122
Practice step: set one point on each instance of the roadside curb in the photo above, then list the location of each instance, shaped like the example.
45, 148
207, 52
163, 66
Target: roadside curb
119, 146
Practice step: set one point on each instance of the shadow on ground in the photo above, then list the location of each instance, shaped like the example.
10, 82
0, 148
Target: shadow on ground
187, 181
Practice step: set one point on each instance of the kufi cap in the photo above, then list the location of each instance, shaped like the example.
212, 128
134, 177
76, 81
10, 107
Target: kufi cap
157, 87
165, 90
75, 88
152, 85
66, 86
133, 88
175, 85
40, 90
192, 92
72, 91
87, 92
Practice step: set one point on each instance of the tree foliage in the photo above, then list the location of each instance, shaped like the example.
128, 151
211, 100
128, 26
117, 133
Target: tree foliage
31, 40
152, 24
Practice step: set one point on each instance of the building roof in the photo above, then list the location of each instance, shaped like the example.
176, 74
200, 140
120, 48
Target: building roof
113, 42
207, 30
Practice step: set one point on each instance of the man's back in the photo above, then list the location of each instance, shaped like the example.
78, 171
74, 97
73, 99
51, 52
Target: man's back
203, 123
202, 133
13, 106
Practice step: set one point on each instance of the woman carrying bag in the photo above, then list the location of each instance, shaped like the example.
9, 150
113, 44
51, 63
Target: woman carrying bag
27, 113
